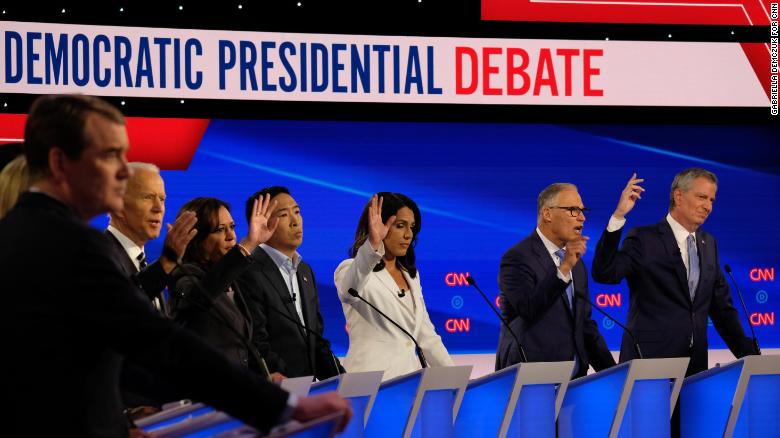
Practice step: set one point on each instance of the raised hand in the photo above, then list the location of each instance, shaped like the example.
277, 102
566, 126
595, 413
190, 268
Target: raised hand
376, 229
575, 249
262, 223
628, 198
177, 238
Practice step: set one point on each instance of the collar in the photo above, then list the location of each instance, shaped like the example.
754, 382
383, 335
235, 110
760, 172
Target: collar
551, 247
130, 247
680, 233
280, 259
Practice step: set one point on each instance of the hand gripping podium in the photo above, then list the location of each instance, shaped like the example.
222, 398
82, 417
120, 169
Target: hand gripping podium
203, 420
360, 389
419, 404
633, 399
739, 399
519, 401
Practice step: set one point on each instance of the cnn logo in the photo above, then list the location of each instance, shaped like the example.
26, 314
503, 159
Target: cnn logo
453, 279
762, 274
457, 325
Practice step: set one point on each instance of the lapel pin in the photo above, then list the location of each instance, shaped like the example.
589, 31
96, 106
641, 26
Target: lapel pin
305, 280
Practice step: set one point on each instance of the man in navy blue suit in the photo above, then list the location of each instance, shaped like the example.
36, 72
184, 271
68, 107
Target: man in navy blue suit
673, 274
543, 281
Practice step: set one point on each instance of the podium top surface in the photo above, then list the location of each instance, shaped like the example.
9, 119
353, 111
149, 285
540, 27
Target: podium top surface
764, 364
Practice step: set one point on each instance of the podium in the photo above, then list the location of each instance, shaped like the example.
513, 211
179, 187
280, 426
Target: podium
739, 399
633, 399
419, 404
360, 389
521, 400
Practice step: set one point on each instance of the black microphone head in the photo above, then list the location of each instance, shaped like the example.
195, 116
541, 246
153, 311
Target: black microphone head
470, 280
727, 268
353, 292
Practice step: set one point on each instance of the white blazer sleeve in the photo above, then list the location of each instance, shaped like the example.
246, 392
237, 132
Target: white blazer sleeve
430, 341
354, 273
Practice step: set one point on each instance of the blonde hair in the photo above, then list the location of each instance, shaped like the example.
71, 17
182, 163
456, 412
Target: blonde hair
14, 179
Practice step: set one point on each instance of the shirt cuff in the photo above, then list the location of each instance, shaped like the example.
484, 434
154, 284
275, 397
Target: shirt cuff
292, 403
564, 278
615, 223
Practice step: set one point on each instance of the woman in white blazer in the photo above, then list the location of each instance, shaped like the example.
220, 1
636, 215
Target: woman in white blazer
382, 269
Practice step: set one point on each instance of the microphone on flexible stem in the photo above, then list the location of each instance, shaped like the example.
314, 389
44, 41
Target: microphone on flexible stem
420, 355
308, 330
224, 320
523, 358
637, 350
744, 307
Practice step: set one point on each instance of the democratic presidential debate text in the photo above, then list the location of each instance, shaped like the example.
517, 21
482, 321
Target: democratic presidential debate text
41, 58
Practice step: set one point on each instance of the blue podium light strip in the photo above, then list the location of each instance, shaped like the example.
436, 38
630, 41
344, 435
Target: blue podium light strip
760, 410
230, 424
392, 407
483, 406
705, 402
590, 403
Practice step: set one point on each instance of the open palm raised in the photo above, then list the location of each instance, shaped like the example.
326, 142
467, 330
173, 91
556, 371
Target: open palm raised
261, 223
377, 230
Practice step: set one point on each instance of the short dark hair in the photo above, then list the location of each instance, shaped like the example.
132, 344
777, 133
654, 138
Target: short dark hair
273, 191
58, 121
392, 202
207, 211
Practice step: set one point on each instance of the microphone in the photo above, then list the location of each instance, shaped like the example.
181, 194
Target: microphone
637, 350
420, 355
221, 318
470, 280
308, 330
744, 307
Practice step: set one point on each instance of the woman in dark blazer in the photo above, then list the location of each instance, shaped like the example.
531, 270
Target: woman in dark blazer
206, 299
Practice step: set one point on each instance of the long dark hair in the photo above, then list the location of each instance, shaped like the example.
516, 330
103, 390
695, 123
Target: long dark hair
207, 211
392, 202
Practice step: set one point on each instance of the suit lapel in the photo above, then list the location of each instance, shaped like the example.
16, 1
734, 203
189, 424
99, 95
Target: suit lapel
274, 277
122, 258
673, 251
704, 259
549, 268
305, 287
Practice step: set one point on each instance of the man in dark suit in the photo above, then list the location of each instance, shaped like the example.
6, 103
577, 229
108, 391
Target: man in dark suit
140, 221
283, 297
544, 290
673, 274
70, 320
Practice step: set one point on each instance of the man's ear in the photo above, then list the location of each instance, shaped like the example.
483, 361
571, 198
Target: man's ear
57, 163
546, 215
677, 195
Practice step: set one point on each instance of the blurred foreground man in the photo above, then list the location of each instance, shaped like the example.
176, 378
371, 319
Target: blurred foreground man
71, 319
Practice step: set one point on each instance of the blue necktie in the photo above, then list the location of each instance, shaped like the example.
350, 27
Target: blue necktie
693, 266
570, 288
570, 295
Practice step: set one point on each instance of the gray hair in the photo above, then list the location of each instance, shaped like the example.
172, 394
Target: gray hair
684, 180
548, 195
137, 165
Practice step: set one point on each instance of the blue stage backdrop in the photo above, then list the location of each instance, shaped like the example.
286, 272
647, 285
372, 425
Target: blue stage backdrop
477, 186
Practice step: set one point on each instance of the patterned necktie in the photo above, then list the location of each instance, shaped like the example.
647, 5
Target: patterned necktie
142, 263
693, 266
570, 288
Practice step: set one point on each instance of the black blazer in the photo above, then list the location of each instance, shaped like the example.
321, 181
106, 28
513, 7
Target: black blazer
151, 281
287, 348
533, 300
660, 311
68, 322
200, 303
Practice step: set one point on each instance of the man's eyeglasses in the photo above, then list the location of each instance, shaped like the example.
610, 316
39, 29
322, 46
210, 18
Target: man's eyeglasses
573, 211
